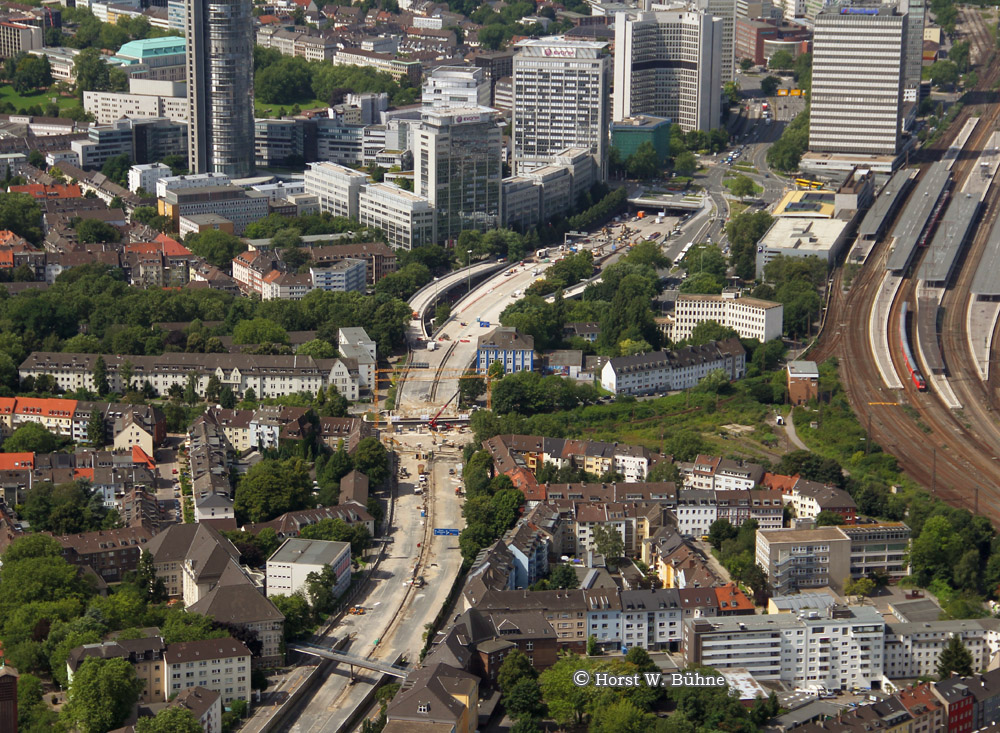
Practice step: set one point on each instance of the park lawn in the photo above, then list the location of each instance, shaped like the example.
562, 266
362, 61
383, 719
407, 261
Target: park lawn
728, 183
42, 98
271, 110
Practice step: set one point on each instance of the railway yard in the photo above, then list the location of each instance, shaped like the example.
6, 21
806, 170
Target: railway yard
930, 286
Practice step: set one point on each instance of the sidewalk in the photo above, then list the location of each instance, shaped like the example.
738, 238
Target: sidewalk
792, 435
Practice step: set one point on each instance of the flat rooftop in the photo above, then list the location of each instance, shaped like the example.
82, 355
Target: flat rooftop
915, 215
803, 235
817, 203
885, 202
948, 239
308, 552
986, 282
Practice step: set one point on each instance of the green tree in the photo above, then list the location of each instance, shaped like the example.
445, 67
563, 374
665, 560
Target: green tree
218, 247
644, 163
744, 231
955, 657
862, 587
685, 164
514, 668
191, 388
298, 615
959, 55
174, 719
769, 85
563, 576
621, 716
524, 700
31, 437
337, 530
702, 282
372, 459
317, 349
742, 186
731, 92
91, 231
781, 60
271, 488
719, 531
608, 542
826, 518
708, 331
441, 314
116, 168
943, 73
102, 695
259, 331
935, 551
21, 214
470, 389
746, 65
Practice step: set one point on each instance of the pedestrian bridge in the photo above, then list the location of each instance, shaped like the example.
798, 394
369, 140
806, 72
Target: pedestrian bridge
351, 660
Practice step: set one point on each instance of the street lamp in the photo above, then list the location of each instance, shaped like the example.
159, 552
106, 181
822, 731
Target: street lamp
469, 252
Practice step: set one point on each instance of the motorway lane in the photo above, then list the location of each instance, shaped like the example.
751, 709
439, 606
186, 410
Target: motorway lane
395, 611
424, 398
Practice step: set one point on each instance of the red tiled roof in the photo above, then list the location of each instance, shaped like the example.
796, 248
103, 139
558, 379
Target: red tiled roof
169, 247
55, 191
139, 456
779, 482
46, 407
15, 461
85, 473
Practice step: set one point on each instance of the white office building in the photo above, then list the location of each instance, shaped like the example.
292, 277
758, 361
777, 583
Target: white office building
561, 100
751, 318
458, 167
145, 176
145, 98
194, 180
456, 86
667, 65
289, 567
857, 81
336, 186
408, 220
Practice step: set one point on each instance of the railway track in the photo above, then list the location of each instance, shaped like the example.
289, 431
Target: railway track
961, 461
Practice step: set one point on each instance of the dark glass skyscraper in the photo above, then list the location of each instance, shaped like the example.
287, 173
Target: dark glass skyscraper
220, 42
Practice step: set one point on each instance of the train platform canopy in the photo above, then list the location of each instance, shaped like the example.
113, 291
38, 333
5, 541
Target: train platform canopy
885, 203
951, 234
986, 284
918, 210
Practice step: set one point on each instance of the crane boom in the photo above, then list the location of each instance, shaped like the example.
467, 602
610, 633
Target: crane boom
432, 423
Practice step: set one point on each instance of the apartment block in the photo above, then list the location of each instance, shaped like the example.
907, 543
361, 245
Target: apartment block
103, 142
221, 665
514, 350
749, 317
532, 452
839, 648
663, 371
19, 35
146, 175
193, 180
342, 276
912, 649
804, 558
396, 68
408, 220
310, 46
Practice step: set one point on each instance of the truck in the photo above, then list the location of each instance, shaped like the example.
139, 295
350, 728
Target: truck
431, 345
541, 253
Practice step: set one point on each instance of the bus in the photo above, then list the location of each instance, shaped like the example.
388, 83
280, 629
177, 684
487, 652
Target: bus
806, 183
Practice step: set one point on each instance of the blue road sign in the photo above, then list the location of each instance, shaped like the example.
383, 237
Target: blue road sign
447, 532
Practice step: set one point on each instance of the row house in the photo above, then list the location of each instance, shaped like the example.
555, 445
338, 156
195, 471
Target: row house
268, 376
594, 457
111, 553
290, 524
209, 457
721, 474
809, 498
664, 371
144, 655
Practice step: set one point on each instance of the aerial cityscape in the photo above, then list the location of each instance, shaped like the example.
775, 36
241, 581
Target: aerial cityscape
514, 366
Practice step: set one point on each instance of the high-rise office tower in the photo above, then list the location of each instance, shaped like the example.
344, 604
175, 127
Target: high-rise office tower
916, 12
726, 11
561, 89
857, 80
457, 166
220, 43
667, 65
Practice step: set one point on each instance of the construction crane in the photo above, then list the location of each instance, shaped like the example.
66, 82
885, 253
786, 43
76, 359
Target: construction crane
427, 374
432, 423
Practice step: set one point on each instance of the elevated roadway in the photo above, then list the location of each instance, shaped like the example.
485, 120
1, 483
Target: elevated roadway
422, 300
